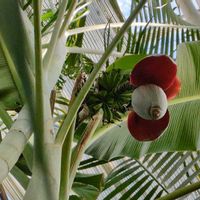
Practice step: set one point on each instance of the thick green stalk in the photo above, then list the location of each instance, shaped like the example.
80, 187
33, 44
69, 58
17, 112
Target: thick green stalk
82, 94
82, 144
65, 166
39, 98
41, 177
67, 147
41, 181
181, 192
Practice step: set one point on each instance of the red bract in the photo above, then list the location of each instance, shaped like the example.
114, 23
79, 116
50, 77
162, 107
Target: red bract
173, 90
158, 70
161, 71
146, 130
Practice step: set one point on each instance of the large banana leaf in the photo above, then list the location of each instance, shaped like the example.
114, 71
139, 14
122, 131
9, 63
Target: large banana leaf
183, 132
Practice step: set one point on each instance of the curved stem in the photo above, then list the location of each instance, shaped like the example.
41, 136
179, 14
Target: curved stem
181, 192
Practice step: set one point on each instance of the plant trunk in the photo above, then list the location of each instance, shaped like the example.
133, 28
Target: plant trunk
45, 184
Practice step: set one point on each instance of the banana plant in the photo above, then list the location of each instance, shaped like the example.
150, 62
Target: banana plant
32, 75
34, 62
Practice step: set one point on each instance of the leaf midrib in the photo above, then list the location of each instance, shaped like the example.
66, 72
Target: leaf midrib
184, 100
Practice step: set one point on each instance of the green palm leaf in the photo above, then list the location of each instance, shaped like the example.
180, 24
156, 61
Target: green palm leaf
148, 178
151, 177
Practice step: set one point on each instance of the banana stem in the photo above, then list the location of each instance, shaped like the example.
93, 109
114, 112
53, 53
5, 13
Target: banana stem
67, 148
181, 192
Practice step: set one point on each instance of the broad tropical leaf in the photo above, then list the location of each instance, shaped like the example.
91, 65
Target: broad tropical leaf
125, 62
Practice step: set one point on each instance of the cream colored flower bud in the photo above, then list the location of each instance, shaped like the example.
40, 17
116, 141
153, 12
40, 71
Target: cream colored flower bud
149, 102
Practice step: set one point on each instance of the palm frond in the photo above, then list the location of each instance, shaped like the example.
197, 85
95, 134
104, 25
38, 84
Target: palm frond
148, 178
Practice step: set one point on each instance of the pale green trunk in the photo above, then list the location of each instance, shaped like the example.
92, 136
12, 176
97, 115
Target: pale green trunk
38, 187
